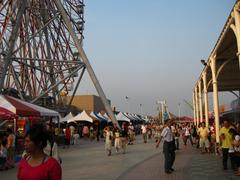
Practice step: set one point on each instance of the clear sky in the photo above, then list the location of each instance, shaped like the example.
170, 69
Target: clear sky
150, 50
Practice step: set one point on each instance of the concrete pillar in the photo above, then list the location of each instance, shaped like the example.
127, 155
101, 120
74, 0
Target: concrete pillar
200, 100
196, 102
205, 98
215, 97
194, 109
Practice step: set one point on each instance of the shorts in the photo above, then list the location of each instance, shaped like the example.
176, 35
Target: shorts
204, 143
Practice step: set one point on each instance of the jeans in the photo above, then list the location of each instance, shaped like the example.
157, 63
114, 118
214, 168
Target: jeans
225, 158
169, 154
177, 143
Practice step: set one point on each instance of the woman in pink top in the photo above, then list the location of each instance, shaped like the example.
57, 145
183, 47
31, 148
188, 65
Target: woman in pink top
36, 165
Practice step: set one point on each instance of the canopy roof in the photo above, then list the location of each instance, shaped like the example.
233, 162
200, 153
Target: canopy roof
122, 117
83, 116
102, 116
130, 116
67, 117
227, 62
6, 114
17, 107
183, 119
43, 111
97, 116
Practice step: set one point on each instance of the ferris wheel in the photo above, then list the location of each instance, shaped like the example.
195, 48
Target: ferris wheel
41, 50
38, 57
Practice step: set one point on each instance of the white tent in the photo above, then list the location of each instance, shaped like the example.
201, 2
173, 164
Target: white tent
137, 117
130, 116
83, 116
107, 117
66, 118
101, 116
96, 117
122, 117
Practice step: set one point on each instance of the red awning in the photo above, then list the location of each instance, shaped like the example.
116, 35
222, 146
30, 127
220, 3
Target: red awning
22, 109
6, 114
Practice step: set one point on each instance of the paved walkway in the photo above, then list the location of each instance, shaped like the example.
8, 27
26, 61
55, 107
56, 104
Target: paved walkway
189, 165
88, 161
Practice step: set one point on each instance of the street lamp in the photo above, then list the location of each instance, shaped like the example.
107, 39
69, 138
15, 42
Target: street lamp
203, 62
179, 111
141, 109
127, 98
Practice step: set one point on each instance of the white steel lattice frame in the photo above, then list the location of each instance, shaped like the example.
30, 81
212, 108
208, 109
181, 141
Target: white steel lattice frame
43, 59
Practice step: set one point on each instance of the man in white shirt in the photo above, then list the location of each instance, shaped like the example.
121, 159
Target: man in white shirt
168, 146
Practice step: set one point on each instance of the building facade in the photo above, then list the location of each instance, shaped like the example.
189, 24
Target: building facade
88, 102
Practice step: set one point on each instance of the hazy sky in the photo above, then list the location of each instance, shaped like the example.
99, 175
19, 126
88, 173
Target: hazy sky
150, 50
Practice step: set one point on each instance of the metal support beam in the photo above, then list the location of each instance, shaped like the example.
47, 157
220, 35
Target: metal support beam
12, 41
85, 60
75, 90
57, 83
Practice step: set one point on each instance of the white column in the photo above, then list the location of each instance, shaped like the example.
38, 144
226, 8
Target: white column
205, 98
200, 100
196, 102
194, 108
215, 97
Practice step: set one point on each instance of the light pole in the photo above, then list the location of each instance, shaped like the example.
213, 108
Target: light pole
179, 111
159, 108
141, 109
127, 98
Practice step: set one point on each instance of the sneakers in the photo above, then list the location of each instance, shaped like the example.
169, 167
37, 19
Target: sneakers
168, 171
171, 169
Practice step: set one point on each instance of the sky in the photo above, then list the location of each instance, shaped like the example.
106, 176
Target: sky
150, 50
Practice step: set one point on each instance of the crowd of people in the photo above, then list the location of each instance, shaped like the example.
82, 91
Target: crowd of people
118, 137
201, 137
41, 143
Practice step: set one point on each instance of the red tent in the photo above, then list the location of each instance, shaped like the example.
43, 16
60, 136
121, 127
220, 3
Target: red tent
183, 119
22, 109
6, 114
